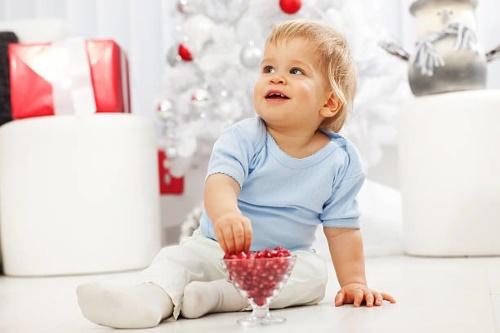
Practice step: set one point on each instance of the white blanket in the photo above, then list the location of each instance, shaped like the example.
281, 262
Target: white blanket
381, 222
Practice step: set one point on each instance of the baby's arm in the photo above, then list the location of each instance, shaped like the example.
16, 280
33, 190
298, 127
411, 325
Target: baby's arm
233, 230
346, 251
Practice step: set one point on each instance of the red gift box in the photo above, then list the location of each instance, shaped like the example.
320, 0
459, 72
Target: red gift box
32, 92
168, 183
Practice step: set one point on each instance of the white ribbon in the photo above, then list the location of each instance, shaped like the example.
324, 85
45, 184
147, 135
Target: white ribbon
65, 66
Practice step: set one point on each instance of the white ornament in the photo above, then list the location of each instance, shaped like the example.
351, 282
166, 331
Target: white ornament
250, 55
165, 111
173, 56
201, 97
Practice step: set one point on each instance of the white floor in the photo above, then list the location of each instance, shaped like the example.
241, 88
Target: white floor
434, 295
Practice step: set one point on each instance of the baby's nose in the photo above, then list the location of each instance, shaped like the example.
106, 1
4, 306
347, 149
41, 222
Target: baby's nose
277, 79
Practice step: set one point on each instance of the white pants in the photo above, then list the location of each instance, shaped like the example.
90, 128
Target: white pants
199, 258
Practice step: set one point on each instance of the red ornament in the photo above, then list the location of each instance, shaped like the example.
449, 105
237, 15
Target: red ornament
184, 53
290, 6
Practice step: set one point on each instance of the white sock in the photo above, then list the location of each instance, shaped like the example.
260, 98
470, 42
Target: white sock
201, 298
138, 306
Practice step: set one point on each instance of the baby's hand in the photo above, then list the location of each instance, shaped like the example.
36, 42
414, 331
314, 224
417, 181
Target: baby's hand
357, 293
234, 232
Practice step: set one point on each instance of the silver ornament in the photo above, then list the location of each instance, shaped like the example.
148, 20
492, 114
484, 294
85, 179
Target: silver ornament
173, 56
250, 55
201, 104
165, 110
201, 97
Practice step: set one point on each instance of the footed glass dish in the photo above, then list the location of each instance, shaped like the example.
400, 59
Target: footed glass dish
260, 279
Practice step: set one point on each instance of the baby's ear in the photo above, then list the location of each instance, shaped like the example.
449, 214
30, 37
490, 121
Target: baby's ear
331, 106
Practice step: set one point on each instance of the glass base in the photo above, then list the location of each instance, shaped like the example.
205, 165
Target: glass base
260, 317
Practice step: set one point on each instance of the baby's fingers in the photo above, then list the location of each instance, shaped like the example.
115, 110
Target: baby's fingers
239, 237
380, 297
228, 239
358, 297
339, 298
388, 297
248, 235
220, 239
369, 298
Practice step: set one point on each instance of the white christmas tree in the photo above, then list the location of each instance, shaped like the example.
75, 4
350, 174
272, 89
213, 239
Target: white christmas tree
214, 62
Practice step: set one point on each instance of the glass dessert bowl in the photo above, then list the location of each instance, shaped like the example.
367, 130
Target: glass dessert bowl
259, 276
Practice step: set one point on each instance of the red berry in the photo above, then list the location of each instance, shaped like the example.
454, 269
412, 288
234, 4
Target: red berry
259, 278
242, 255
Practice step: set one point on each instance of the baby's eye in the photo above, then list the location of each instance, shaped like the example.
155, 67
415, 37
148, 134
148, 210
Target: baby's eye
296, 71
268, 69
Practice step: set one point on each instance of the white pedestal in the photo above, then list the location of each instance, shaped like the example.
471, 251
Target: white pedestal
78, 195
449, 150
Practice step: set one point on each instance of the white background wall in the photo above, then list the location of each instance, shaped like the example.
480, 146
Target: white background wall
143, 30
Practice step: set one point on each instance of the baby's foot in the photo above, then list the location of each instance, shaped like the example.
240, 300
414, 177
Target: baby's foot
138, 306
201, 298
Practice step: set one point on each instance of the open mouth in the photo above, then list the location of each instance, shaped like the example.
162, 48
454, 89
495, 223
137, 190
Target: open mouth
276, 94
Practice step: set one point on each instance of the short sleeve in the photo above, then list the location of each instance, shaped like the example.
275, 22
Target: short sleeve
341, 209
234, 150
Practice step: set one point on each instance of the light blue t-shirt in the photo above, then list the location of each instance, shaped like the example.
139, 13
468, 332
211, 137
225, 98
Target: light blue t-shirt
287, 198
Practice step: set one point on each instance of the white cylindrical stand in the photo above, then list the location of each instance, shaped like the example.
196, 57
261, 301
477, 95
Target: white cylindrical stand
78, 194
449, 148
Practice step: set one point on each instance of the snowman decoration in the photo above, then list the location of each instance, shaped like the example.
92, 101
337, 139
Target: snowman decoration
448, 56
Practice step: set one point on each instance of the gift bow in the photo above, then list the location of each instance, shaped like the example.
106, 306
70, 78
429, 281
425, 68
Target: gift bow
65, 65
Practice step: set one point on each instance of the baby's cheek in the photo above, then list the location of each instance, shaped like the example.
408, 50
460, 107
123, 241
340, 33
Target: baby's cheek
308, 92
258, 88
258, 93
256, 100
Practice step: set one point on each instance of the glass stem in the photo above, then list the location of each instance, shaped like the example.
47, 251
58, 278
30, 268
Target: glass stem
260, 312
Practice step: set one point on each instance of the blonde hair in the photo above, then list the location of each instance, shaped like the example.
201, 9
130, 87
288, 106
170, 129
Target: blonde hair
334, 59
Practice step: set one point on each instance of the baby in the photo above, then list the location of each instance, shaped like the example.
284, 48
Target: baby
271, 181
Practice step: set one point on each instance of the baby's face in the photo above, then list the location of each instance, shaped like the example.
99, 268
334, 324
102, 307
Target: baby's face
291, 88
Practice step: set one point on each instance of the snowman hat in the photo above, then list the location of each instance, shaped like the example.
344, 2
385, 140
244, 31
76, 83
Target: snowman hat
420, 4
